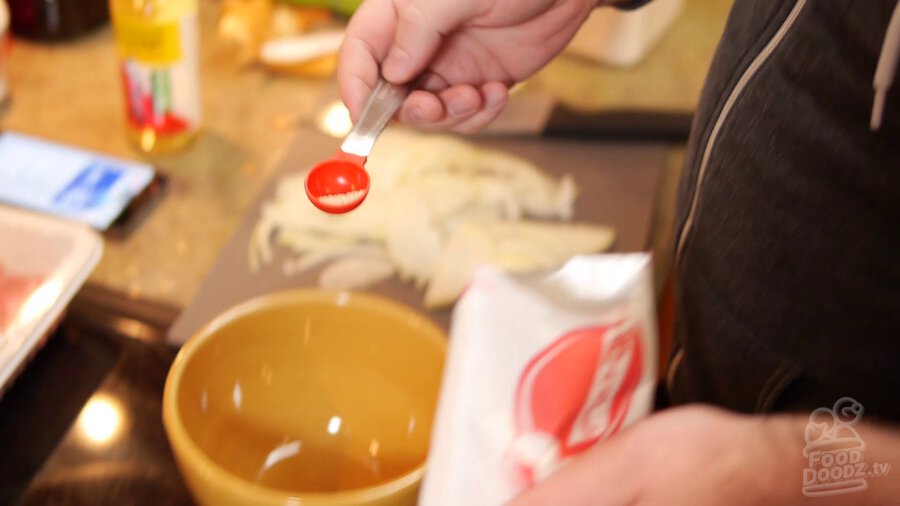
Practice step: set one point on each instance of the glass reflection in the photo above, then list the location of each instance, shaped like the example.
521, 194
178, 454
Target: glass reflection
284, 451
40, 300
334, 425
335, 120
101, 419
237, 396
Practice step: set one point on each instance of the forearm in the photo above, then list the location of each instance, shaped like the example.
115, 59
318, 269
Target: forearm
843, 473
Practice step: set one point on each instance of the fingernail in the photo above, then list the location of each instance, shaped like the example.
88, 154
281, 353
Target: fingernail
494, 97
395, 64
459, 106
416, 114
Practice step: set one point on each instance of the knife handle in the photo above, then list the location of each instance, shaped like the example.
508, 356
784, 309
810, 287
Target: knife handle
626, 124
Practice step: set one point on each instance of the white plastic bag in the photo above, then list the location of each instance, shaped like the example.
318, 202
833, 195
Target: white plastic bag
540, 367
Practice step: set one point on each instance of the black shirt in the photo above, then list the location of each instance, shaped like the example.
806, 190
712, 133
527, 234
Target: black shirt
788, 254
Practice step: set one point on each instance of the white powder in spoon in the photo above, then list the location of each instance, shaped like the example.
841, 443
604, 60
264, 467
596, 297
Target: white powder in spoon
342, 199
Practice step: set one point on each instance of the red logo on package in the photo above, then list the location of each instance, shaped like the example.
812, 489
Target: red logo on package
573, 393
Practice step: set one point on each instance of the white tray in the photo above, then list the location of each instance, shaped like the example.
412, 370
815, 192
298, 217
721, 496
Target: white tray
63, 254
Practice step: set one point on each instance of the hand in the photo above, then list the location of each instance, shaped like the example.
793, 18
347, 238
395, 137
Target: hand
467, 52
690, 455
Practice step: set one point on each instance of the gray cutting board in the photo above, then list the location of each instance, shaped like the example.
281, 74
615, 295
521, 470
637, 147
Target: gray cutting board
617, 183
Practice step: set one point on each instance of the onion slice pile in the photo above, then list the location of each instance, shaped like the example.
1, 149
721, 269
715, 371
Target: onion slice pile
438, 207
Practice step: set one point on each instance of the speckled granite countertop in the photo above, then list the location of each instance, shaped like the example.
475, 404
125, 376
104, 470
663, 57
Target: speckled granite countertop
69, 92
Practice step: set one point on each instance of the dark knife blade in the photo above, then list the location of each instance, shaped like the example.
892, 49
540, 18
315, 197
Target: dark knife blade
624, 124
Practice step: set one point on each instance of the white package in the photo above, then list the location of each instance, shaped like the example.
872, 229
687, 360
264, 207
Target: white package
540, 367
59, 256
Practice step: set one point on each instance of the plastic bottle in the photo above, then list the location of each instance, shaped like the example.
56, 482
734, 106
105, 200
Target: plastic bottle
56, 20
4, 53
157, 41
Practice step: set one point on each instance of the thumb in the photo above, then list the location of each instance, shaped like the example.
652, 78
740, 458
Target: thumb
421, 26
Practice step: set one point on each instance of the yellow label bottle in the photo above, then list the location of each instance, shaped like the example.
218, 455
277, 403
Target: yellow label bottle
157, 41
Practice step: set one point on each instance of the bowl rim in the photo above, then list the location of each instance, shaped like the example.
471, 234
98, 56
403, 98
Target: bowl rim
211, 471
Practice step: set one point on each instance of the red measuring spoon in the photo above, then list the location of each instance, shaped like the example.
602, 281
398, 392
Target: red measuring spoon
340, 184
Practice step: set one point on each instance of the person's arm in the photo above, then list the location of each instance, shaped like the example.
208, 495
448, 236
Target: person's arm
707, 456
464, 54
820, 470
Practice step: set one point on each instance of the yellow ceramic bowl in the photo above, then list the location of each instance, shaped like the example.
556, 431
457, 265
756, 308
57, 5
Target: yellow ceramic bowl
306, 397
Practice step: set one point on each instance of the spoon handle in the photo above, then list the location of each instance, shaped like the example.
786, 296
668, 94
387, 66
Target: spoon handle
383, 102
